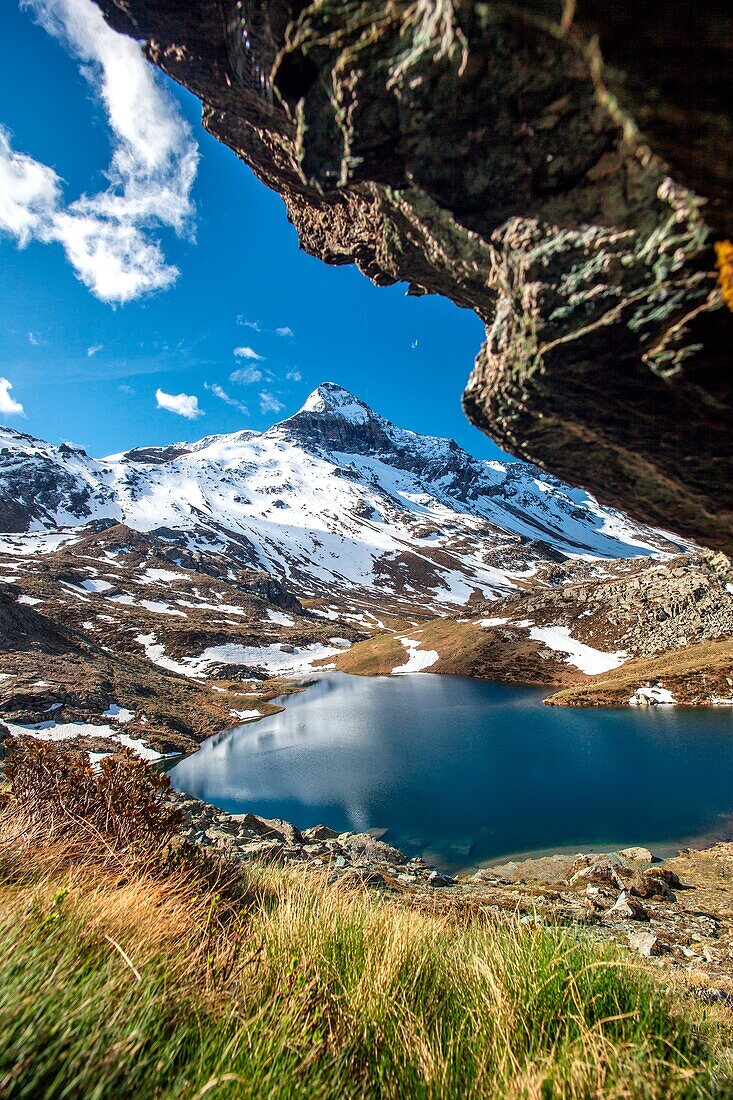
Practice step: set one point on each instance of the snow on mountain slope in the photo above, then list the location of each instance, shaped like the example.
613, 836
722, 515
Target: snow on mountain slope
335, 497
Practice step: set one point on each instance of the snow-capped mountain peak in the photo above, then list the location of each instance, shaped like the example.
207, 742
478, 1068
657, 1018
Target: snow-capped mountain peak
333, 497
334, 400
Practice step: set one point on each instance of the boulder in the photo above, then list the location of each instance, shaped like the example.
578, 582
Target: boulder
597, 870
646, 943
363, 848
636, 855
437, 879
318, 832
655, 882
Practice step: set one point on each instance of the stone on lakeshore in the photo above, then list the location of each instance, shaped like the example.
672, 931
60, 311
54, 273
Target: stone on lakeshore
655, 882
646, 943
437, 879
319, 832
363, 848
597, 870
637, 855
269, 827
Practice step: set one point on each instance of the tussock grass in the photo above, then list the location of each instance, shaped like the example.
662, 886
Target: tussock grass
159, 972
121, 979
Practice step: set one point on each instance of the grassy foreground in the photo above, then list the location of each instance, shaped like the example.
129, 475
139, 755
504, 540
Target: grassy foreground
150, 972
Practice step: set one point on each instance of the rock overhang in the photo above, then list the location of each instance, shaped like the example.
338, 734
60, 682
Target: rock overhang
491, 154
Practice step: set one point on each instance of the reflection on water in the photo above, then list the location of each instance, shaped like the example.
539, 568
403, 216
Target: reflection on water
464, 771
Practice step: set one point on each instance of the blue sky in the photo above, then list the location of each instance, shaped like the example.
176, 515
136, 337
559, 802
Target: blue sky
85, 364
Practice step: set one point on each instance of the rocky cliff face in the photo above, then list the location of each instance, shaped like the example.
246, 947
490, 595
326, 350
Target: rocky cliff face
562, 169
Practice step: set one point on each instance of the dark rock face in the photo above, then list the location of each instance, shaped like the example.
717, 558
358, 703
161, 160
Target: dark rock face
564, 171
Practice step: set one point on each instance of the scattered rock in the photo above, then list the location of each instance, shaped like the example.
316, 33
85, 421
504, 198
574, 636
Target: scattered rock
655, 882
596, 869
612, 892
319, 832
435, 878
363, 848
646, 943
627, 908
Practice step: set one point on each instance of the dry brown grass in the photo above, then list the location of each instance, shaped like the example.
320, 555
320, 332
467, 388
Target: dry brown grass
120, 800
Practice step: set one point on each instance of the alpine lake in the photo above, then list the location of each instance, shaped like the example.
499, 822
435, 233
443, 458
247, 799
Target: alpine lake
465, 772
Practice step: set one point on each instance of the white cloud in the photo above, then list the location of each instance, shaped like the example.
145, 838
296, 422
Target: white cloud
285, 330
8, 405
154, 161
29, 193
294, 376
94, 349
249, 324
183, 404
34, 340
248, 353
246, 375
269, 403
222, 394
124, 388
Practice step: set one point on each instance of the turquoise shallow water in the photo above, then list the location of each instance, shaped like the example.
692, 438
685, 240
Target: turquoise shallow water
463, 771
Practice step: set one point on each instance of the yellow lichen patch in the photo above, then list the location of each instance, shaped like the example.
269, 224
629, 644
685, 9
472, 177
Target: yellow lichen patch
724, 264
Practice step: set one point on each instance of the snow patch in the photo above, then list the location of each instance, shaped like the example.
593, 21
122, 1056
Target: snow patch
97, 584
155, 606
280, 618
418, 659
155, 652
154, 576
65, 731
586, 658
653, 696
120, 714
277, 659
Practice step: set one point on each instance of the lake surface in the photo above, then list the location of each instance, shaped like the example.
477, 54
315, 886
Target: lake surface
463, 771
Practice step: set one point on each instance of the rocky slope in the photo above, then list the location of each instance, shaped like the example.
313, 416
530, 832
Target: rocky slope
563, 169
609, 633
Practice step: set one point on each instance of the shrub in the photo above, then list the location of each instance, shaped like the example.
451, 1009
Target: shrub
121, 799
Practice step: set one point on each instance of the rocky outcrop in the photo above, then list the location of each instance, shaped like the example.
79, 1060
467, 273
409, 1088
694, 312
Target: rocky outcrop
644, 608
561, 168
360, 858
605, 633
